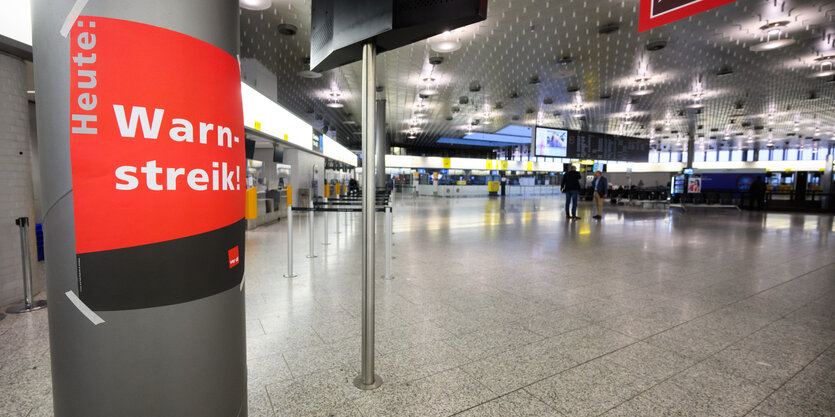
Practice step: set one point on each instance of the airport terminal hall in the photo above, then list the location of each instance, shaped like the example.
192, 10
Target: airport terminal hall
402, 208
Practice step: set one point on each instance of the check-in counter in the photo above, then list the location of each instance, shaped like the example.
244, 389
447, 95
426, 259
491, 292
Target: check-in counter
271, 206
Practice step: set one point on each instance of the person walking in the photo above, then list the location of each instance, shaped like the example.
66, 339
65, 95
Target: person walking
757, 195
571, 187
601, 190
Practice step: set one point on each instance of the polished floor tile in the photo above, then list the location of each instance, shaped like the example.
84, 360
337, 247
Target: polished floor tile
501, 307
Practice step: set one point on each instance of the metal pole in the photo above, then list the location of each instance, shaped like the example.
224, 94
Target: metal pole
367, 379
388, 274
290, 273
28, 305
325, 226
312, 254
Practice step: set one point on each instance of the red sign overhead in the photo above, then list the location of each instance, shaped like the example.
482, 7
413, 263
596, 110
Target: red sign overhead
656, 13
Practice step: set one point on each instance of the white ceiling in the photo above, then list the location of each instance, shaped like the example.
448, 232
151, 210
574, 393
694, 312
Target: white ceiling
522, 39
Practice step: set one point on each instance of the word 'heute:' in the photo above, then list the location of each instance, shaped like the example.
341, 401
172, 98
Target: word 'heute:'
182, 131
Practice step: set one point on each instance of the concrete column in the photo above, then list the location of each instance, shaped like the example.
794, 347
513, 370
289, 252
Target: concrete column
185, 357
382, 145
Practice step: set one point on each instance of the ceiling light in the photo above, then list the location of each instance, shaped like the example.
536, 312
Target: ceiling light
411, 136
255, 4
695, 106
430, 89
641, 92
335, 105
773, 29
444, 43
822, 72
309, 74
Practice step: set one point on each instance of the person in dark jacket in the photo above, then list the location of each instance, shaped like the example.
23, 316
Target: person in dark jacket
601, 190
571, 187
757, 193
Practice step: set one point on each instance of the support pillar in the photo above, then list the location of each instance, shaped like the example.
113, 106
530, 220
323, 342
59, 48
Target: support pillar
152, 324
367, 379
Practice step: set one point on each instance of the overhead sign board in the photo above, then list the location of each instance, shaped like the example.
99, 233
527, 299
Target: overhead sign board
339, 28
655, 13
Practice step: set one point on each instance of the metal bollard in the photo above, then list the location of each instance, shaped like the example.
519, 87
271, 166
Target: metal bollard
312, 253
387, 275
290, 273
325, 226
28, 304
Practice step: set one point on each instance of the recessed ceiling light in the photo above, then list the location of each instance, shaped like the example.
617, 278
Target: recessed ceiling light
255, 4
411, 136
641, 92
695, 106
444, 43
773, 29
335, 105
824, 72
309, 74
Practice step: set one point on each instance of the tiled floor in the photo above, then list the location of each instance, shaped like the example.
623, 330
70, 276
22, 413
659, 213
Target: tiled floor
504, 308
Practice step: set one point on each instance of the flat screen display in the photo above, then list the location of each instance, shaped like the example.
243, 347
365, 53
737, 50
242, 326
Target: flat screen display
550, 142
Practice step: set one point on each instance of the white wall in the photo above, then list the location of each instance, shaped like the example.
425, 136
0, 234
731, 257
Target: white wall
16, 187
301, 173
265, 155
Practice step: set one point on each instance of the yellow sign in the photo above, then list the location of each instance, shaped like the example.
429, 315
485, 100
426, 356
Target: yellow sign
289, 195
489, 164
503, 165
257, 125
788, 170
530, 166
460, 182
416, 174
587, 162
447, 163
251, 204
285, 137
492, 186
327, 190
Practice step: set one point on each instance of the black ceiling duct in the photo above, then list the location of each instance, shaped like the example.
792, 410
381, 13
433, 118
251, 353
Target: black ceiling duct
514, 94
534, 80
475, 87
463, 100
436, 60
455, 109
572, 88
548, 100
567, 59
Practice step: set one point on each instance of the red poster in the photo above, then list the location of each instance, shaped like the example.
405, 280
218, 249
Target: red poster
656, 13
157, 152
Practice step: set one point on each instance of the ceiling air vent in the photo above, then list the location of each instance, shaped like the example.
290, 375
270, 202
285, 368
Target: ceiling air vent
572, 89
608, 28
463, 100
656, 45
436, 60
287, 29
548, 100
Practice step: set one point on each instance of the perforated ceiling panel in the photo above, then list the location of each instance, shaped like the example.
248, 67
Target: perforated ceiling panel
546, 62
